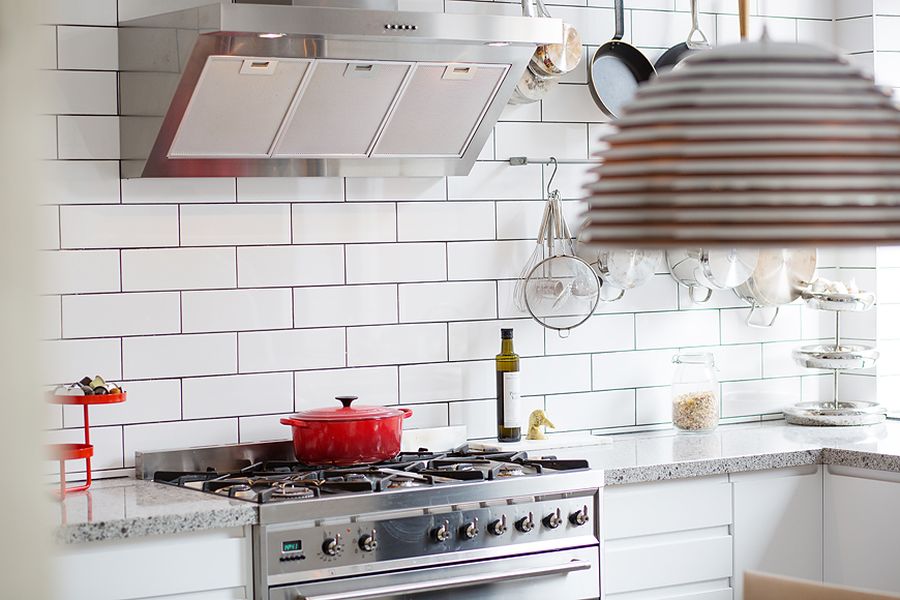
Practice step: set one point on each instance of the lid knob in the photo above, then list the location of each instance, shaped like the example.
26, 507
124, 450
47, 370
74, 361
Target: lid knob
346, 400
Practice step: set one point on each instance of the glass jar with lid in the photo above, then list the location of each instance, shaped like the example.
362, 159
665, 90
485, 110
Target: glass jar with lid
695, 392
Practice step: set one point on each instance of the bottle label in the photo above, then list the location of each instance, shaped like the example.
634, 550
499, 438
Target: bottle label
511, 401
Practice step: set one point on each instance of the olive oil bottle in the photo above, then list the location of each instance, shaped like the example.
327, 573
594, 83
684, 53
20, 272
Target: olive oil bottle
509, 427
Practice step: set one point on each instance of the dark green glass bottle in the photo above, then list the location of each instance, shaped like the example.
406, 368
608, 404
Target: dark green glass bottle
509, 428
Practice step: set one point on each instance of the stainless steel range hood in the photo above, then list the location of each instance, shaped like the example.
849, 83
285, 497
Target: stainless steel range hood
304, 89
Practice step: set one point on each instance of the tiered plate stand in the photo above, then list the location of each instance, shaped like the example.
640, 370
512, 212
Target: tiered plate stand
79, 451
837, 357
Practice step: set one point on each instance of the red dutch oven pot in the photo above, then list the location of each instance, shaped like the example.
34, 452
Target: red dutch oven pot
350, 435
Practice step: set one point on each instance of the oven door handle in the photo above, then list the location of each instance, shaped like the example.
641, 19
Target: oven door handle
452, 582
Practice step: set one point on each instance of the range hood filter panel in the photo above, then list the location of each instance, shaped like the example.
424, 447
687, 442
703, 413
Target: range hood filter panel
440, 110
341, 109
237, 107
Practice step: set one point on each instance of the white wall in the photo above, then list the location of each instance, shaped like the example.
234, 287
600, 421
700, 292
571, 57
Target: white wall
224, 303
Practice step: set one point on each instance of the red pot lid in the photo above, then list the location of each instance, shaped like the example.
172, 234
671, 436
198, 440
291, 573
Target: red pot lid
348, 413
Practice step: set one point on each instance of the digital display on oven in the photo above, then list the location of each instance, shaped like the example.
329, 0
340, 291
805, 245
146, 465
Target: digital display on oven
292, 546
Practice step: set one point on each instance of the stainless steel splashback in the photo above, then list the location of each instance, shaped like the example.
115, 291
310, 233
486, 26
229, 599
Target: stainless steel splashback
284, 89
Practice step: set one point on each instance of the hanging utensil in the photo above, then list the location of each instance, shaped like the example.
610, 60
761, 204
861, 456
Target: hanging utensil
561, 291
780, 277
618, 68
555, 60
702, 270
537, 255
674, 55
622, 269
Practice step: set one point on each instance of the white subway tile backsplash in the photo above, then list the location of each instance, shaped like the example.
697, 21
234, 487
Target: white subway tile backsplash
855, 35
49, 311
344, 223
806, 9
601, 333
591, 410
290, 189
562, 140
427, 415
498, 181
81, 181
778, 360
653, 405
742, 361
291, 350
664, 29
480, 416
345, 305
84, 12
80, 271
107, 443
785, 327
179, 355
572, 104
521, 220
658, 293
106, 315
235, 310
88, 137
396, 344
225, 224
237, 395
45, 40
449, 301
442, 221
178, 269
108, 226
388, 263
665, 330
373, 385
759, 397
95, 48
488, 260
45, 134
448, 382
273, 266
263, 428
178, 190
645, 368
396, 188
556, 374
779, 30
66, 361
47, 234
79, 93
470, 340
178, 434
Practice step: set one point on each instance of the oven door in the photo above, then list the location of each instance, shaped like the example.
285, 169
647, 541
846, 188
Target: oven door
569, 574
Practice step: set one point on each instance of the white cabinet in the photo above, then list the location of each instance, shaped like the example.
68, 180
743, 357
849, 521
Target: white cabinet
862, 528
205, 565
778, 523
668, 539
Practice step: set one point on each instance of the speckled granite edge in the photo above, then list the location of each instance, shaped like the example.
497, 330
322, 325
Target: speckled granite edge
712, 466
236, 516
864, 460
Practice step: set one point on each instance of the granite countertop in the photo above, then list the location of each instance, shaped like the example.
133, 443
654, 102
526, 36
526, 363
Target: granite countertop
125, 508
667, 454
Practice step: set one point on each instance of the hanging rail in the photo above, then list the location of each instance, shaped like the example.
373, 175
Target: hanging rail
518, 161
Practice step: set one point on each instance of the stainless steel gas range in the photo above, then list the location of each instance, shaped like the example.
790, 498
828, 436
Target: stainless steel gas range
463, 525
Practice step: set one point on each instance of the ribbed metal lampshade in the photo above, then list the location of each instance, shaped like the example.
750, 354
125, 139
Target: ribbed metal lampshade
757, 143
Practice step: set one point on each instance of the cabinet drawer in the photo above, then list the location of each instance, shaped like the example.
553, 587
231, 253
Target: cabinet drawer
667, 561
665, 506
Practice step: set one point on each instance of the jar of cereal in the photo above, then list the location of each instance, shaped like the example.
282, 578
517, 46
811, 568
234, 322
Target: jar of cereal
695, 392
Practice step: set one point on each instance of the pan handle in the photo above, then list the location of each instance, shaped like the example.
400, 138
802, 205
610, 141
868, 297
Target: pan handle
744, 18
528, 8
749, 320
692, 43
620, 20
694, 297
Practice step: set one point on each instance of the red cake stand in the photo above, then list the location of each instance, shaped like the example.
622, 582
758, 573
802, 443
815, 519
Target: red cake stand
83, 451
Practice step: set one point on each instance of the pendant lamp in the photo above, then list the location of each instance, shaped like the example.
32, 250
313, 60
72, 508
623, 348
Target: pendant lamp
753, 144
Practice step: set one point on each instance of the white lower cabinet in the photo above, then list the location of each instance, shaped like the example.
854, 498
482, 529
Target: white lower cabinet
862, 528
668, 539
778, 523
206, 565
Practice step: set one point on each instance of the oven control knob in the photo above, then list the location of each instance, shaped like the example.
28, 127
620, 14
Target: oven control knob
367, 542
525, 524
498, 527
469, 531
579, 518
553, 520
332, 546
441, 533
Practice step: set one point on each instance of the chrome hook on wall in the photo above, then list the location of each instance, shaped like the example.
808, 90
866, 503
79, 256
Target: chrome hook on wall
555, 164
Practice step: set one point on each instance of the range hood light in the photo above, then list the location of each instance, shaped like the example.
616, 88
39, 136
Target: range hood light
272, 36
497, 44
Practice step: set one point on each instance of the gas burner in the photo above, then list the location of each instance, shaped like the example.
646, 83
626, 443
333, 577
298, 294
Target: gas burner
510, 471
242, 491
292, 491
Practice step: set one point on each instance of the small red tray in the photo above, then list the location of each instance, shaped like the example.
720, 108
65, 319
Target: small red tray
70, 451
88, 400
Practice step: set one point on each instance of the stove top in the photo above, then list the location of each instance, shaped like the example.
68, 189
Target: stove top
273, 481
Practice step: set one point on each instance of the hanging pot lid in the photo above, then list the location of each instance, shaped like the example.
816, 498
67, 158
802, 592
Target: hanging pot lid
781, 275
627, 268
726, 268
360, 412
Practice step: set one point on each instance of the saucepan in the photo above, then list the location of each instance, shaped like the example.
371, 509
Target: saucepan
780, 277
349, 435
704, 269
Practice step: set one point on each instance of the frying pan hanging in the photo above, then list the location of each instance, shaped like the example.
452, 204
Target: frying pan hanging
618, 68
674, 55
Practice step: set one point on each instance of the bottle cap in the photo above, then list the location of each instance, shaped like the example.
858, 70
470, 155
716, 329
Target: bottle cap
506, 334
